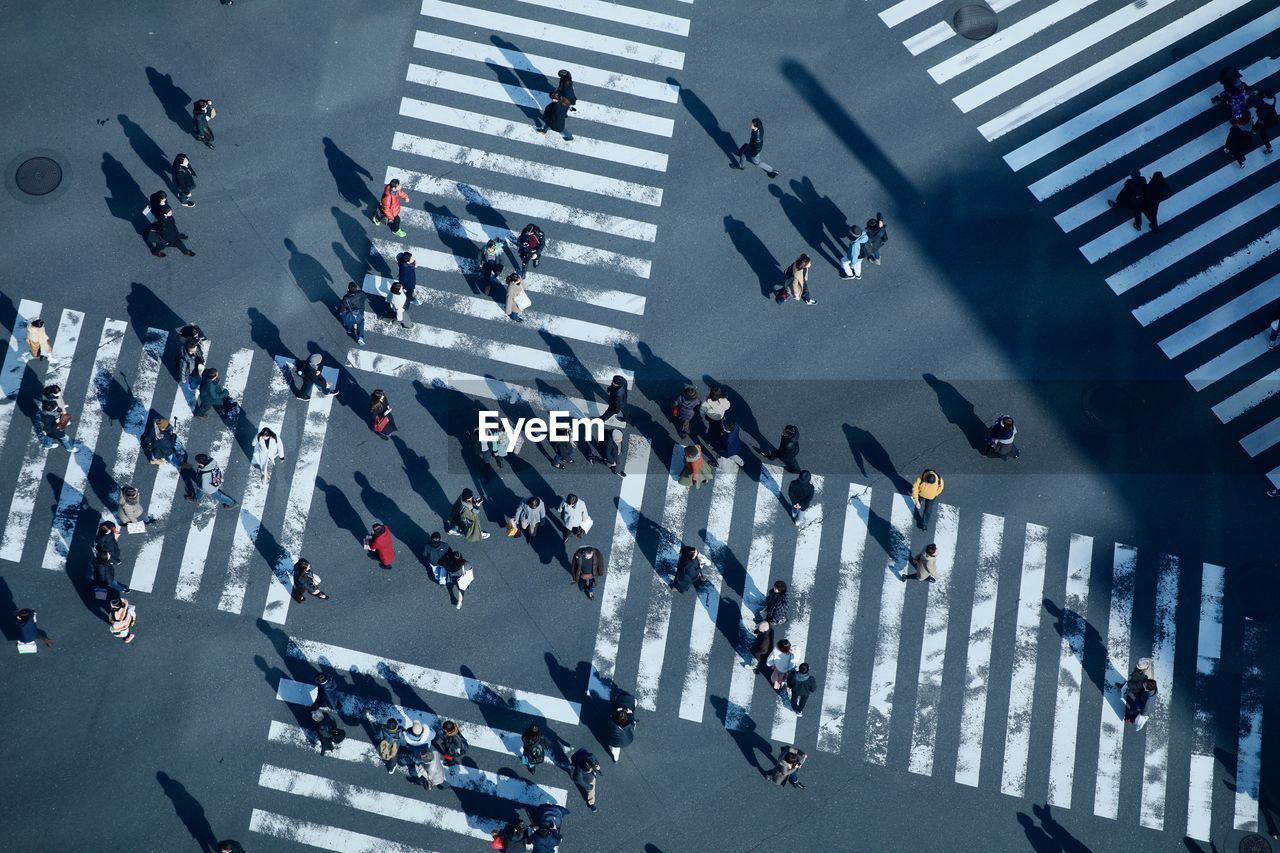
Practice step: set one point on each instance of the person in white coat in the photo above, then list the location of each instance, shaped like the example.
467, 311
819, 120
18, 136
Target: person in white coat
398, 299
573, 517
267, 451
781, 661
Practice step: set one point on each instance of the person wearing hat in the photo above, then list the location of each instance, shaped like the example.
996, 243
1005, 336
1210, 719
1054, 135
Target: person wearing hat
417, 735
328, 732
851, 263
389, 743
312, 377
161, 444
1131, 198
130, 509
464, 520
450, 743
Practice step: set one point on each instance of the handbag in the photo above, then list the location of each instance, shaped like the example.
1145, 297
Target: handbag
465, 580
63, 420
512, 529
585, 527
523, 301
381, 422
387, 749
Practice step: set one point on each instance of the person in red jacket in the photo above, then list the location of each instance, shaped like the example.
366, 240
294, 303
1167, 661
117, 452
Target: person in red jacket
379, 545
389, 207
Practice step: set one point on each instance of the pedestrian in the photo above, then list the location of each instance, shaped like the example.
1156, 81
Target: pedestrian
267, 451
429, 769
351, 311
398, 300
529, 515
435, 554
689, 569
104, 574
612, 447
586, 567
788, 769
311, 372
545, 839
38, 340
761, 646
795, 282
533, 748
161, 444
800, 492
491, 266
389, 744
684, 408
130, 511
530, 245
379, 545
925, 565
554, 115
801, 685
622, 724
1131, 198
464, 518
108, 540
458, 577
389, 206
191, 361
514, 837
563, 453
851, 263
564, 88
326, 695
1136, 702
413, 741
751, 150
1000, 438
788, 449
202, 112
877, 235
1264, 103
517, 299
781, 661
1144, 670
54, 421
729, 441
714, 408
1157, 191
777, 605
230, 845
123, 616
617, 392
924, 492
574, 518
208, 483
164, 233
1234, 90
184, 178
1238, 139
211, 393
380, 414
450, 743
585, 775
407, 275
696, 472
328, 732
29, 631
305, 580
54, 393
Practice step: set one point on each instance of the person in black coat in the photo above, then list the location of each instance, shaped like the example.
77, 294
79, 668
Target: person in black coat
553, 117
801, 685
53, 425
164, 232
761, 645
1238, 140
450, 743
1157, 191
800, 494
1131, 198
585, 775
104, 572
729, 440
108, 540
689, 569
202, 112
751, 150
776, 605
877, 235
565, 88
788, 449
622, 725
184, 178
617, 397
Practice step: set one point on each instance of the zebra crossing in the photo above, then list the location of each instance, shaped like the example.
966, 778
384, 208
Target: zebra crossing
174, 554
1005, 674
1100, 91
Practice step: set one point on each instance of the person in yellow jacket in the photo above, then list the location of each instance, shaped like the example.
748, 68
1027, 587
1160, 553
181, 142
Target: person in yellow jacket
925, 491
121, 619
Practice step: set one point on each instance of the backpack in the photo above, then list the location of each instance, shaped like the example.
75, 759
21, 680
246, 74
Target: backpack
215, 477
535, 753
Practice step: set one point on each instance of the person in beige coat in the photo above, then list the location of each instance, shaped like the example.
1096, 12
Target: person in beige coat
925, 565
517, 299
795, 281
38, 339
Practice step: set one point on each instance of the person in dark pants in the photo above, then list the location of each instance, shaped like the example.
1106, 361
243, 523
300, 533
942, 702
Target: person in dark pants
585, 775
788, 769
450, 743
565, 89
191, 361
877, 235
617, 398
407, 270
28, 632
1157, 191
108, 541
1238, 139
184, 178
761, 645
491, 255
210, 394
1264, 103
924, 492
164, 233
776, 605
587, 566
751, 150
351, 311
202, 112
684, 409
622, 724
1131, 198
533, 747
312, 376
689, 568
553, 117
104, 573
788, 449
53, 425
1000, 438
801, 685
800, 493
389, 207
729, 441
328, 732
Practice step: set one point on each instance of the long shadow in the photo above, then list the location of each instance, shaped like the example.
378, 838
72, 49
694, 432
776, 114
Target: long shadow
482, 210
827, 213
747, 739
741, 412
9, 310
350, 178
8, 607
341, 512
446, 224
172, 97
535, 83
579, 376
126, 199
148, 151
355, 254
733, 576
572, 683
1066, 842
958, 411
146, 308
417, 469
867, 450
311, 276
454, 413
189, 811
756, 254
266, 335
805, 222
657, 381
384, 508
707, 120
1037, 837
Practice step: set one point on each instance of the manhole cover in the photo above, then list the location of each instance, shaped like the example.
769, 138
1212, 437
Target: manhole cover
1254, 844
38, 176
975, 22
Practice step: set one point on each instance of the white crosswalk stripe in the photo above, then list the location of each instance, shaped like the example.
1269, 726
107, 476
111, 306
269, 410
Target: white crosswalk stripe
1066, 713
16, 357
1017, 740
1208, 653
978, 660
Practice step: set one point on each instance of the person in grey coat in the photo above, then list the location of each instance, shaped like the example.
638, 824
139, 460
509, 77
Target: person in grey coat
428, 771
801, 684
529, 515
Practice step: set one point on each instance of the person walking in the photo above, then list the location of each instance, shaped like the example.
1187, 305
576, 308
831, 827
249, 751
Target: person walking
1000, 438
491, 266
305, 580
407, 275
563, 452
122, 616
230, 845
924, 565
585, 775
1264, 104
191, 362
751, 150
351, 311
587, 565
416, 737
787, 450
530, 244
379, 545
777, 605
529, 515
184, 178
311, 372
458, 577
389, 206
696, 472
851, 263
129, 510
464, 519
533, 748
689, 569
267, 451
211, 393
554, 115
714, 408
1137, 701
450, 743
788, 769
761, 646
328, 732
164, 233
573, 517
564, 88
622, 725
617, 392
107, 540
924, 492
781, 661
29, 632
398, 300
1131, 198
38, 340
800, 493
104, 573
877, 235
161, 444
517, 299
208, 483
729, 441
1145, 669
429, 769
684, 408
1157, 191
795, 282
801, 684
435, 554
515, 837
389, 744
380, 414
1239, 139
202, 112
612, 447
54, 421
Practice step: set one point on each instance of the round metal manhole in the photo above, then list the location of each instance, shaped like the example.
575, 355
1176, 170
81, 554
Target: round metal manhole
38, 176
975, 22
1254, 844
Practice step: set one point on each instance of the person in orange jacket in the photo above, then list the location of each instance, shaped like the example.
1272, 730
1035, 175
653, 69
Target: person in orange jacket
924, 492
389, 207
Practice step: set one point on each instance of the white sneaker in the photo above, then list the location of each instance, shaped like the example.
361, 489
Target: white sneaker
484, 534
458, 606
452, 532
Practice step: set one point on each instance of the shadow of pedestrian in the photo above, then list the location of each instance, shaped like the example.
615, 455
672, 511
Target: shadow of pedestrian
805, 222
354, 253
150, 153
173, 98
350, 178
417, 469
867, 450
657, 381
190, 812
310, 275
266, 335
8, 310
343, 515
145, 309
126, 200
707, 120
747, 739
537, 85
831, 224
387, 510
756, 254
958, 411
